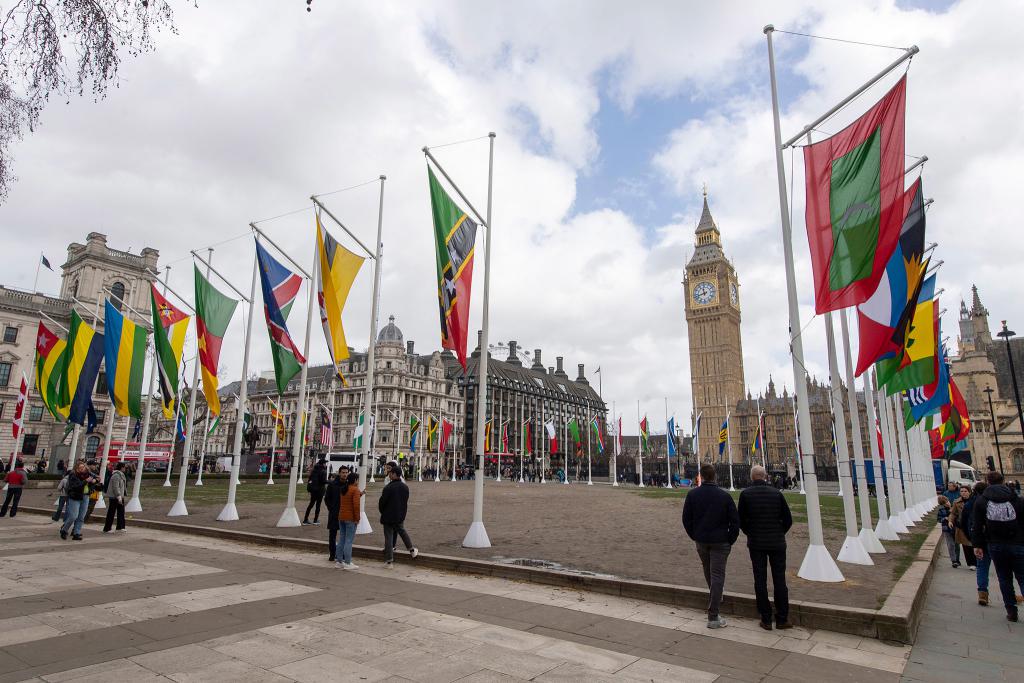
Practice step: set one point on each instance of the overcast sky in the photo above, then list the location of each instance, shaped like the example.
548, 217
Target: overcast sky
609, 118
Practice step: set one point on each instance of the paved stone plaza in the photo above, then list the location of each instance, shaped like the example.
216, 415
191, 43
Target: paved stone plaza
152, 605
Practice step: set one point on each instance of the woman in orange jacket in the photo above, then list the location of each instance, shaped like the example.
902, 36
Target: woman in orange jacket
348, 518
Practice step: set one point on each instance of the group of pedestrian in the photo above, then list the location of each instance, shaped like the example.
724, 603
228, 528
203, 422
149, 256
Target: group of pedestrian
993, 523
712, 519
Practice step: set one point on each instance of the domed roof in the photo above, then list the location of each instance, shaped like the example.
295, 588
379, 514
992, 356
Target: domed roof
391, 333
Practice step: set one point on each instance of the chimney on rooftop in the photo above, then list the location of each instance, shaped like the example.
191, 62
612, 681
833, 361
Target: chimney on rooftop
582, 379
513, 355
409, 347
558, 367
537, 363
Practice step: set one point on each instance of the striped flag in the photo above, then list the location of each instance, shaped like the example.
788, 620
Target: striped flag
81, 365
326, 432
595, 425
50, 351
19, 410
125, 355
169, 327
723, 436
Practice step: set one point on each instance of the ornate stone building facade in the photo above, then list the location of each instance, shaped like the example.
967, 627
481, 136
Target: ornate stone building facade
713, 323
93, 272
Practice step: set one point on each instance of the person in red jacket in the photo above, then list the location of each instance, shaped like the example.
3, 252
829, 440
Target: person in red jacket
16, 480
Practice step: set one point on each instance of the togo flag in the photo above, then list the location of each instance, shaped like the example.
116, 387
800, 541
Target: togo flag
855, 202
50, 350
125, 352
81, 365
213, 313
169, 327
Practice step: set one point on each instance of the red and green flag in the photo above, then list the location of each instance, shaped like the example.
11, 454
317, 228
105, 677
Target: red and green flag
574, 431
213, 313
644, 432
454, 240
527, 438
855, 202
50, 358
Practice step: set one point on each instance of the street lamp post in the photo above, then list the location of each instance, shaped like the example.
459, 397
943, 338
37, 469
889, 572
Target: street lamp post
1006, 335
995, 428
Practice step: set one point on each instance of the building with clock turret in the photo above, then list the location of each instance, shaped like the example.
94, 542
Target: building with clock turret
713, 324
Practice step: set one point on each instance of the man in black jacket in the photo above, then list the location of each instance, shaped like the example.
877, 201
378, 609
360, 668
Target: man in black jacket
316, 485
393, 505
765, 518
710, 519
999, 528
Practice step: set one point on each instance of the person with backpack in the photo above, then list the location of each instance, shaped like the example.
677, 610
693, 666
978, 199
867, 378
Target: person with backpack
16, 480
984, 562
999, 530
62, 498
316, 485
116, 486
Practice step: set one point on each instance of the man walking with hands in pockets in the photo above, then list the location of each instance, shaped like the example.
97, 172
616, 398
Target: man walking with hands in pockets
710, 519
765, 518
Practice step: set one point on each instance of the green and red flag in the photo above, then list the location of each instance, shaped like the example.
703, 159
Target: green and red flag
454, 240
956, 422
855, 202
574, 431
213, 313
169, 327
527, 438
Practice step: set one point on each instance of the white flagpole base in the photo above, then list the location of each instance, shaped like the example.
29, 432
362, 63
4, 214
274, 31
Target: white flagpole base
364, 526
641, 485
802, 491
521, 480
589, 483
907, 520
615, 483
228, 514
870, 541
898, 525
732, 488
178, 509
914, 515
289, 518
476, 537
840, 491
133, 505
199, 481
885, 532
270, 482
854, 552
167, 482
818, 565
100, 503
437, 479
4, 488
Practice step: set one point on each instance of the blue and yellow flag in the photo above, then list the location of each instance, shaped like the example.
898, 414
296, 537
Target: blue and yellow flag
723, 436
125, 353
83, 358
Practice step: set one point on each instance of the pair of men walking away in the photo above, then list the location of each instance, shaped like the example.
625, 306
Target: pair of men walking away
713, 521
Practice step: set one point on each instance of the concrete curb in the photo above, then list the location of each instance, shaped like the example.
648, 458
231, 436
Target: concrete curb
897, 620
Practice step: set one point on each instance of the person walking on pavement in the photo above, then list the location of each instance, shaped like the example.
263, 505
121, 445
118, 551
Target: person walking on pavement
348, 517
62, 498
16, 480
117, 485
332, 499
999, 531
316, 485
765, 519
711, 520
947, 531
394, 505
952, 492
985, 561
958, 519
79, 482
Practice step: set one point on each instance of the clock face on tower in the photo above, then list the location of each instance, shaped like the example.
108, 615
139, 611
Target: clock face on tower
734, 294
704, 293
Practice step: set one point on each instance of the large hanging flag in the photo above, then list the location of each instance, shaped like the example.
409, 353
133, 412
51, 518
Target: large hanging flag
922, 345
574, 431
213, 313
169, 327
334, 278
487, 437
446, 432
618, 437
929, 399
277, 417
855, 202
125, 354
504, 437
758, 443
527, 438
280, 286
18, 425
884, 320
213, 427
50, 352
326, 429
595, 427
81, 365
549, 427
431, 432
956, 423
643, 436
723, 436
670, 436
357, 433
454, 241
414, 432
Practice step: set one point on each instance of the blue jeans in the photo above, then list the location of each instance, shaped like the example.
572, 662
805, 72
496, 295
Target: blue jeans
982, 572
1008, 559
75, 515
348, 535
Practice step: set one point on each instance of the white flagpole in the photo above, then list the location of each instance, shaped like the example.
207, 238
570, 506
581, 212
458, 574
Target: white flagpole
134, 504
895, 484
477, 537
590, 428
906, 457
273, 446
124, 444
290, 516
817, 564
883, 530
455, 439
174, 428
202, 452
668, 447
852, 551
544, 437
229, 513
867, 533
440, 437
799, 459
35, 283
364, 523
615, 448
640, 442
728, 446
760, 433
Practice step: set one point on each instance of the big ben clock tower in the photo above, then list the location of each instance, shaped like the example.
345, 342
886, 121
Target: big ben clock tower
713, 324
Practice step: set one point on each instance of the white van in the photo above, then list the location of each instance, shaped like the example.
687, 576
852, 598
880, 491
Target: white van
961, 474
349, 459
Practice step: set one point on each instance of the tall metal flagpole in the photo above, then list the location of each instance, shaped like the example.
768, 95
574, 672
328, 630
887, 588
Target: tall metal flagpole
883, 530
896, 520
202, 451
179, 509
134, 504
799, 460
817, 564
543, 438
229, 513
728, 447
290, 516
905, 459
590, 428
640, 442
615, 448
364, 523
867, 534
852, 551
477, 537
668, 447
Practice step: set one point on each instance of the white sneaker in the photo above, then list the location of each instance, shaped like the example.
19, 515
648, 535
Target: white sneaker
716, 623
340, 565
389, 564
414, 552
352, 566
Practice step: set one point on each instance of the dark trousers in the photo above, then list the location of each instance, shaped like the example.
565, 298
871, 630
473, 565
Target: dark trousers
12, 499
114, 507
1008, 559
315, 498
332, 543
969, 557
62, 502
391, 534
713, 557
761, 560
